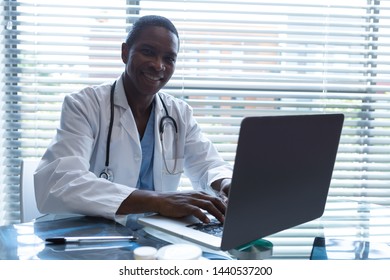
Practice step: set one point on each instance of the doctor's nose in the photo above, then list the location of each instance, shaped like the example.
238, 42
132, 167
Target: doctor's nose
158, 65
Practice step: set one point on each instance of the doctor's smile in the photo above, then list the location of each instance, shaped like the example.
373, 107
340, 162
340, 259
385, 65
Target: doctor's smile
152, 77
122, 146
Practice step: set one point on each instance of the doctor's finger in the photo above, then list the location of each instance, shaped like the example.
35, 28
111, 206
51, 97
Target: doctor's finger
214, 207
218, 201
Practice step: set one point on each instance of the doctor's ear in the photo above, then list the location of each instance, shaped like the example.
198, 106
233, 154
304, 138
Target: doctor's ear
125, 53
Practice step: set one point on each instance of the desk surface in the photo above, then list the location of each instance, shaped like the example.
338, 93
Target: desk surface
347, 230
27, 240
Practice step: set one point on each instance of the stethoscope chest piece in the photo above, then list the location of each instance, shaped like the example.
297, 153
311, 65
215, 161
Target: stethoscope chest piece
107, 174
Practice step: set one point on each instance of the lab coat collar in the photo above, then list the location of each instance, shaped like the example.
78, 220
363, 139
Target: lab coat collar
120, 95
120, 98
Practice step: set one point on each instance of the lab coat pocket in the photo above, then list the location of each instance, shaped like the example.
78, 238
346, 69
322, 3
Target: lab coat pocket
171, 173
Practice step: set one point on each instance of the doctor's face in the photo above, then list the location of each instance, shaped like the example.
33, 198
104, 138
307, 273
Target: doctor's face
150, 60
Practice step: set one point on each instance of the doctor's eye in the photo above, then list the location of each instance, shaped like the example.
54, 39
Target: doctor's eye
170, 59
147, 52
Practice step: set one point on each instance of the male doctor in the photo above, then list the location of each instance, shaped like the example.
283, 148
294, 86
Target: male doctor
121, 147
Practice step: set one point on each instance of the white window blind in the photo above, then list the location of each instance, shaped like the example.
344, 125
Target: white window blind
237, 59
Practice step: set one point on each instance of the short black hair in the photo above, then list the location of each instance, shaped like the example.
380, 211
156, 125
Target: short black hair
146, 21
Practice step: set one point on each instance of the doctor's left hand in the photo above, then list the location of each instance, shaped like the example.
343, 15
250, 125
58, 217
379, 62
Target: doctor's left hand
174, 204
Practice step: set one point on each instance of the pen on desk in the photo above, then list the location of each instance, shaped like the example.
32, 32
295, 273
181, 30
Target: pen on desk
80, 239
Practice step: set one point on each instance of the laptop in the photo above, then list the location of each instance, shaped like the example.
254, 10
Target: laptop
282, 173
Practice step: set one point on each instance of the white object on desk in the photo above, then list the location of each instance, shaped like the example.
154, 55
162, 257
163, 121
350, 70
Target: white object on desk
179, 252
145, 253
28, 205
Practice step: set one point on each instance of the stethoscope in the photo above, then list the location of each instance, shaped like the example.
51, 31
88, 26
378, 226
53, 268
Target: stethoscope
165, 120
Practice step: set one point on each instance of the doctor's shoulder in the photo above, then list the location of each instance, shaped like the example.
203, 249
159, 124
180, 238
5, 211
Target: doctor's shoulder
89, 101
89, 97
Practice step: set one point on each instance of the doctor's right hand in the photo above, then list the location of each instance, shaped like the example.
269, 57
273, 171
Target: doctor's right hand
180, 204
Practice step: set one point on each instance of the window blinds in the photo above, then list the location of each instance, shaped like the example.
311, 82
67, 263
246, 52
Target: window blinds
237, 59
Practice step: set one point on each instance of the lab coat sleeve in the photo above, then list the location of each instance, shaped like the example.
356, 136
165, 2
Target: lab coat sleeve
203, 163
63, 182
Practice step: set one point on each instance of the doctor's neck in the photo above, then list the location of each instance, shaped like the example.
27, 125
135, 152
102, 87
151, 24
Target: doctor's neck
140, 104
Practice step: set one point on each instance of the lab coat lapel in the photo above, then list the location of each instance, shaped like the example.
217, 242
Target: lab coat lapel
128, 123
126, 119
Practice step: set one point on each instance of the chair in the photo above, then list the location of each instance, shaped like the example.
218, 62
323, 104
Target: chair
28, 205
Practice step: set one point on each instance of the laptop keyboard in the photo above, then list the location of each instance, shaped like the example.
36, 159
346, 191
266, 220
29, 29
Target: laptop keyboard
214, 227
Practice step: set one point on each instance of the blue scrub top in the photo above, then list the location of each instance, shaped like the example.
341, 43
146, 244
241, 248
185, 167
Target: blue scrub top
145, 179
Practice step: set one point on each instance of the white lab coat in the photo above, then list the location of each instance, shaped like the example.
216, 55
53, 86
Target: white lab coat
66, 180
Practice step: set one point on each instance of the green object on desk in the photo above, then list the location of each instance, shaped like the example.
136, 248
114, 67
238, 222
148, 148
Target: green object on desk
255, 250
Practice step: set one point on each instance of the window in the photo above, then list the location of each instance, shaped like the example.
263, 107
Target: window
237, 58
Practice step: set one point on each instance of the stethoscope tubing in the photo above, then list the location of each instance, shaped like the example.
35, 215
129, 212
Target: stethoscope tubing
108, 144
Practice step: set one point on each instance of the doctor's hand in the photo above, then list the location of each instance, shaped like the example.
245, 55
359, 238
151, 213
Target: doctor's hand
221, 188
180, 204
174, 204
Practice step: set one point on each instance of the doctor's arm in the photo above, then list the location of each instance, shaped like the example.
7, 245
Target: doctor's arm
63, 182
175, 204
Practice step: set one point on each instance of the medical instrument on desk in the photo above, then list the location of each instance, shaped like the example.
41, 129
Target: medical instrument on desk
80, 239
166, 120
